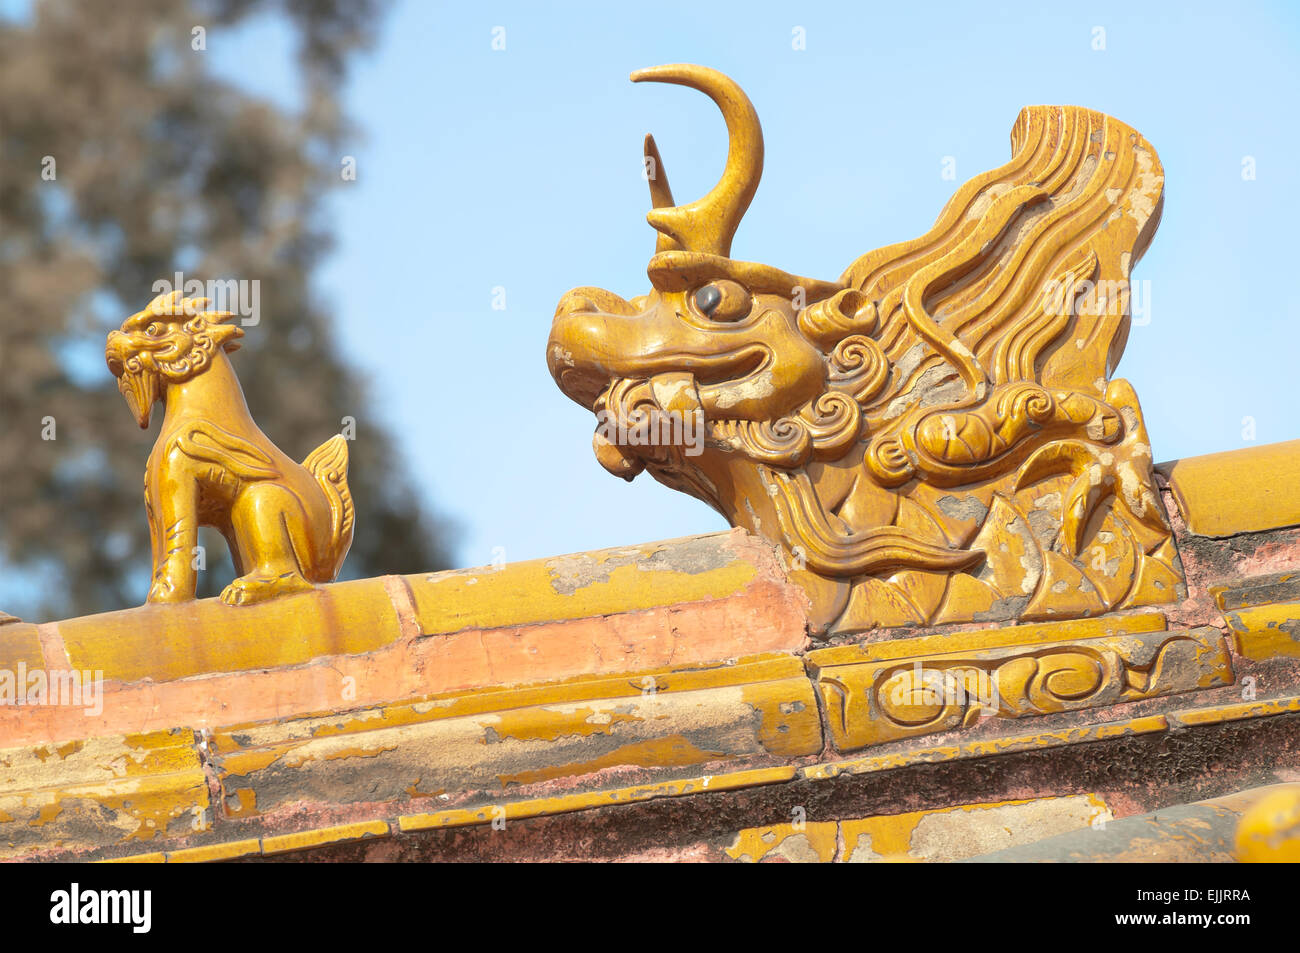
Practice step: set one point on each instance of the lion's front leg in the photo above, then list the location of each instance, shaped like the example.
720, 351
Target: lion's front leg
172, 503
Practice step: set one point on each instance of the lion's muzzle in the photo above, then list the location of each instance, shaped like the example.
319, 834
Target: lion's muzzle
139, 384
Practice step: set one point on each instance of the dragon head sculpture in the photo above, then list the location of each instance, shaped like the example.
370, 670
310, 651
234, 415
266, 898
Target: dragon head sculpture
933, 437
169, 342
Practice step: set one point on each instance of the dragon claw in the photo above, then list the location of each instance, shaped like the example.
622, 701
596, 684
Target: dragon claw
1099, 474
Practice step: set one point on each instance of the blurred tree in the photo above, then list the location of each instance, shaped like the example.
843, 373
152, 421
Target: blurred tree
123, 161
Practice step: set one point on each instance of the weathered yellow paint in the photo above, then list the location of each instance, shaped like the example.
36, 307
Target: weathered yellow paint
101, 792
1256, 591
889, 835
893, 829
19, 644
600, 583
1269, 830
672, 751
651, 721
212, 852
96, 760
1237, 711
986, 747
586, 800
1267, 631
253, 759
157, 802
533, 724
195, 638
790, 725
1238, 491
1003, 637
938, 834
469, 817
157, 857
1192, 716
244, 802
93, 816
964, 830
284, 843
751, 670
46, 814
807, 842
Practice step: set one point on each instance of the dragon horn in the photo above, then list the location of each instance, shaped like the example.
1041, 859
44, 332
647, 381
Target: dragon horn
661, 193
708, 224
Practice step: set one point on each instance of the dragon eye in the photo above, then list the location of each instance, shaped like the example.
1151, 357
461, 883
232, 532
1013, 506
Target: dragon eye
153, 330
723, 301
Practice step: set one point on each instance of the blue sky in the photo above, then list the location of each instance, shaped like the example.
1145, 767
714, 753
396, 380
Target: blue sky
520, 168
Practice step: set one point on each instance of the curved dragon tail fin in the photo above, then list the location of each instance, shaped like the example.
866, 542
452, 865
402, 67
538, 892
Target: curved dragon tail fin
328, 463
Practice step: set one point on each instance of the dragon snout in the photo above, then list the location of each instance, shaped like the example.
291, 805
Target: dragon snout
745, 369
582, 351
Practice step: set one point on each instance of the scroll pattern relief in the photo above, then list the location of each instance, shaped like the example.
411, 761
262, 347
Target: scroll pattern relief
875, 702
933, 437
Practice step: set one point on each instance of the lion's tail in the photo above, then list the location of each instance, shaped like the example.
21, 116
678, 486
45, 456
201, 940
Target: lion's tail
328, 463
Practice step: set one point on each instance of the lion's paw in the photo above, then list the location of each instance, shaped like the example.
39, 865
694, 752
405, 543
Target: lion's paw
254, 588
163, 590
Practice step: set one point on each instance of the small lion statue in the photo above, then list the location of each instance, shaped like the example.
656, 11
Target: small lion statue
288, 525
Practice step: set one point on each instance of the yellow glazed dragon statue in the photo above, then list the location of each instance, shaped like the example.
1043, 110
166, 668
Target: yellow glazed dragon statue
932, 438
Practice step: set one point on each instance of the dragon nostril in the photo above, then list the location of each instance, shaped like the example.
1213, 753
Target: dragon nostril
708, 298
